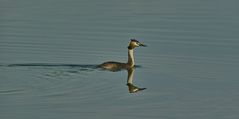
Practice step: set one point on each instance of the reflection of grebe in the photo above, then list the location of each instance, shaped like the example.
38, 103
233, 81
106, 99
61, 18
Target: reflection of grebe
115, 66
131, 86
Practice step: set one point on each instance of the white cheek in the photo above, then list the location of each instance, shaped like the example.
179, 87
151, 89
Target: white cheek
136, 44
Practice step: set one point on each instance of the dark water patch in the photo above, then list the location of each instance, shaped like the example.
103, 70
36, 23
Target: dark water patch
138, 66
52, 65
8, 92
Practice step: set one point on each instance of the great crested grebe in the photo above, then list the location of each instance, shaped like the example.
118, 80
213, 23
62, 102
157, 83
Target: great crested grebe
116, 66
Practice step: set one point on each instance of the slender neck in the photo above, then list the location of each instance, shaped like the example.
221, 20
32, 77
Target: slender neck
131, 57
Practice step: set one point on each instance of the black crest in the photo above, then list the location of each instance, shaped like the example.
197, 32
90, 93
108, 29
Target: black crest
134, 40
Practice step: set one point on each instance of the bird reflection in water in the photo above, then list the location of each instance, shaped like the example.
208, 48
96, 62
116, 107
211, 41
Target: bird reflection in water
131, 86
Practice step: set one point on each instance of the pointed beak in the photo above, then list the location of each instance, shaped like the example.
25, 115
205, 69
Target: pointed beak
142, 45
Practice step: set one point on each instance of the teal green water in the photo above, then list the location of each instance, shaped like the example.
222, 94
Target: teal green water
49, 50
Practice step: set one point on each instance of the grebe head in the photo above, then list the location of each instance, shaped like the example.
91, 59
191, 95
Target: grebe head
134, 43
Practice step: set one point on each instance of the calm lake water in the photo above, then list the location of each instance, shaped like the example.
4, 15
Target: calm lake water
49, 50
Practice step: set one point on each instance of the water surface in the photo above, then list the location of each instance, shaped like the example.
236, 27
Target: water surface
49, 51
